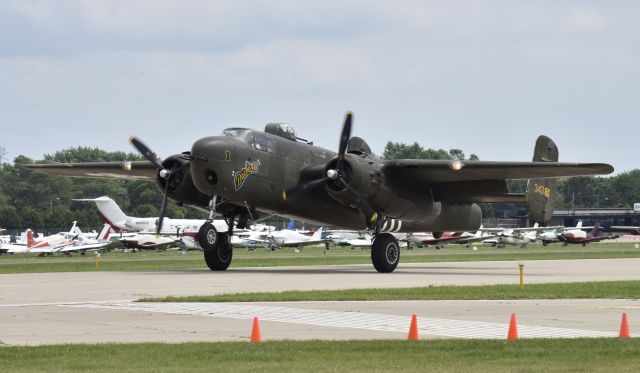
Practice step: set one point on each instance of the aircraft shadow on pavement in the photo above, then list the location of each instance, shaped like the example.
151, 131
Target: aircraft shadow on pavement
442, 271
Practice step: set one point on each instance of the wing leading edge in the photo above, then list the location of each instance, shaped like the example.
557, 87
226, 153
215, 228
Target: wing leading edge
438, 171
483, 181
137, 170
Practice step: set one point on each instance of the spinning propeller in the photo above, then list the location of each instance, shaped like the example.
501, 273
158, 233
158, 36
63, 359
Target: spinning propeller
340, 176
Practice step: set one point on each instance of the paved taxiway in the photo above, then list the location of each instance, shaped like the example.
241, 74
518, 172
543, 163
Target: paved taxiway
96, 307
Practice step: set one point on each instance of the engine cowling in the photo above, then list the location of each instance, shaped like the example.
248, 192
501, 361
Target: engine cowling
180, 184
395, 198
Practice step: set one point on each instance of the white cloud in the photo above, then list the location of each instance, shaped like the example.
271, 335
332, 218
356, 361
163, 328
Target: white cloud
445, 74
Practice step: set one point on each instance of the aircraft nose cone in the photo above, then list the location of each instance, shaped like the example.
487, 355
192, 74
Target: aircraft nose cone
211, 167
213, 148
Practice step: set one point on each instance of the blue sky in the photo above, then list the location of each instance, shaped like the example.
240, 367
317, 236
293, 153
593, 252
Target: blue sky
484, 76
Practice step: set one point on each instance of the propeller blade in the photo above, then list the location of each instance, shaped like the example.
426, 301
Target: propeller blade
302, 187
163, 207
362, 203
344, 138
146, 152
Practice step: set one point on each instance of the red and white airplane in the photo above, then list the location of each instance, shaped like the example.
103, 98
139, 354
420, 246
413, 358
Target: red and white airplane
420, 239
81, 243
579, 236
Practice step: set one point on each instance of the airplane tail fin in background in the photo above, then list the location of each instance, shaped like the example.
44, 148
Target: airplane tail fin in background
596, 230
110, 212
317, 235
30, 240
291, 225
74, 228
104, 233
540, 196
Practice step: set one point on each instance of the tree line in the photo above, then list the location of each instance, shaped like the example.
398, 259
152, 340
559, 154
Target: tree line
36, 200
31, 199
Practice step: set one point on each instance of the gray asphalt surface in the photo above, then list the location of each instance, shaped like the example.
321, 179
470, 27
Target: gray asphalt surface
94, 306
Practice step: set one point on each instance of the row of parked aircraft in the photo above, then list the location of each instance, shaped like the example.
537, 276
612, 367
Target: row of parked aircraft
73, 241
139, 233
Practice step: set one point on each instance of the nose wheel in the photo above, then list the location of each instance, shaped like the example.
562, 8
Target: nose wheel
216, 246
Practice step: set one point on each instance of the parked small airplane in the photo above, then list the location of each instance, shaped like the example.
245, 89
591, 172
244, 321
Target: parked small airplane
247, 175
440, 241
579, 236
291, 238
81, 244
515, 236
149, 241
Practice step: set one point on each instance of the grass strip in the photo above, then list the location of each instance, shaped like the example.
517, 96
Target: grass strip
575, 290
548, 355
310, 256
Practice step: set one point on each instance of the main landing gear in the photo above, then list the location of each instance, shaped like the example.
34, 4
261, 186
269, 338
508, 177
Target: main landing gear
217, 247
385, 252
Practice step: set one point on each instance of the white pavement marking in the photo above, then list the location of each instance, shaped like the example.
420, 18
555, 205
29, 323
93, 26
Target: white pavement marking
357, 320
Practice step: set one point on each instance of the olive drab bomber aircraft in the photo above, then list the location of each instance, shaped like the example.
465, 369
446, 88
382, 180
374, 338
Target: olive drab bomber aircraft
246, 176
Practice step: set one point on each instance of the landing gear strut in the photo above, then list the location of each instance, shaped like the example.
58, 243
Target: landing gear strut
217, 248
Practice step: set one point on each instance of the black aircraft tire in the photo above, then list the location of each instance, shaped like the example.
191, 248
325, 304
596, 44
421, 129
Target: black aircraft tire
219, 259
216, 246
208, 237
385, 253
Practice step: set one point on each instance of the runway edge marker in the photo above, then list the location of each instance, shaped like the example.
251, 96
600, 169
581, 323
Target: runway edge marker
413, 329
513, 328
256, 337
624, 326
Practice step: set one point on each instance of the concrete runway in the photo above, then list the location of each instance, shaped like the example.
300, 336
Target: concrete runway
95, 306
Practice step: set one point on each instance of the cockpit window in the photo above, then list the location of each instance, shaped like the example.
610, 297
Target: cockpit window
242, 134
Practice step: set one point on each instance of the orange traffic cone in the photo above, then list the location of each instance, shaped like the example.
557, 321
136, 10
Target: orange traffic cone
255, 332
513, 328
413, 329
624, 327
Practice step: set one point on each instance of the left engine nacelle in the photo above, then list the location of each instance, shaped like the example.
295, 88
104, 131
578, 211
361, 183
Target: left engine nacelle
394, 198
180, 184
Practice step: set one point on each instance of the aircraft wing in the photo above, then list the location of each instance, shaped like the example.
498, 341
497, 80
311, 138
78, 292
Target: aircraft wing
137, 170
624, 228
83, 247
482, 181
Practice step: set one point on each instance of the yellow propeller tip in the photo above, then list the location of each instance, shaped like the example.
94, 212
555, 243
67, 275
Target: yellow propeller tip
349, 112
284, 195
373, 218
131, 138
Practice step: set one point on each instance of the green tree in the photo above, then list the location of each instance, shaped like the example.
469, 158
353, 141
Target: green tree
31, 218
396, 150
9, 218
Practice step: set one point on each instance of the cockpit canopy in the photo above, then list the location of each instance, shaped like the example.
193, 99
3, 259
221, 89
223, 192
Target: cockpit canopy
242, 134
282, 130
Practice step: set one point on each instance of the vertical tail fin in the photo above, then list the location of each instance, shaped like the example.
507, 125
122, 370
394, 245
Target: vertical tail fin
110, 212
30, 240
74, 228
540, 196
317, 235
596, 230
104, 233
